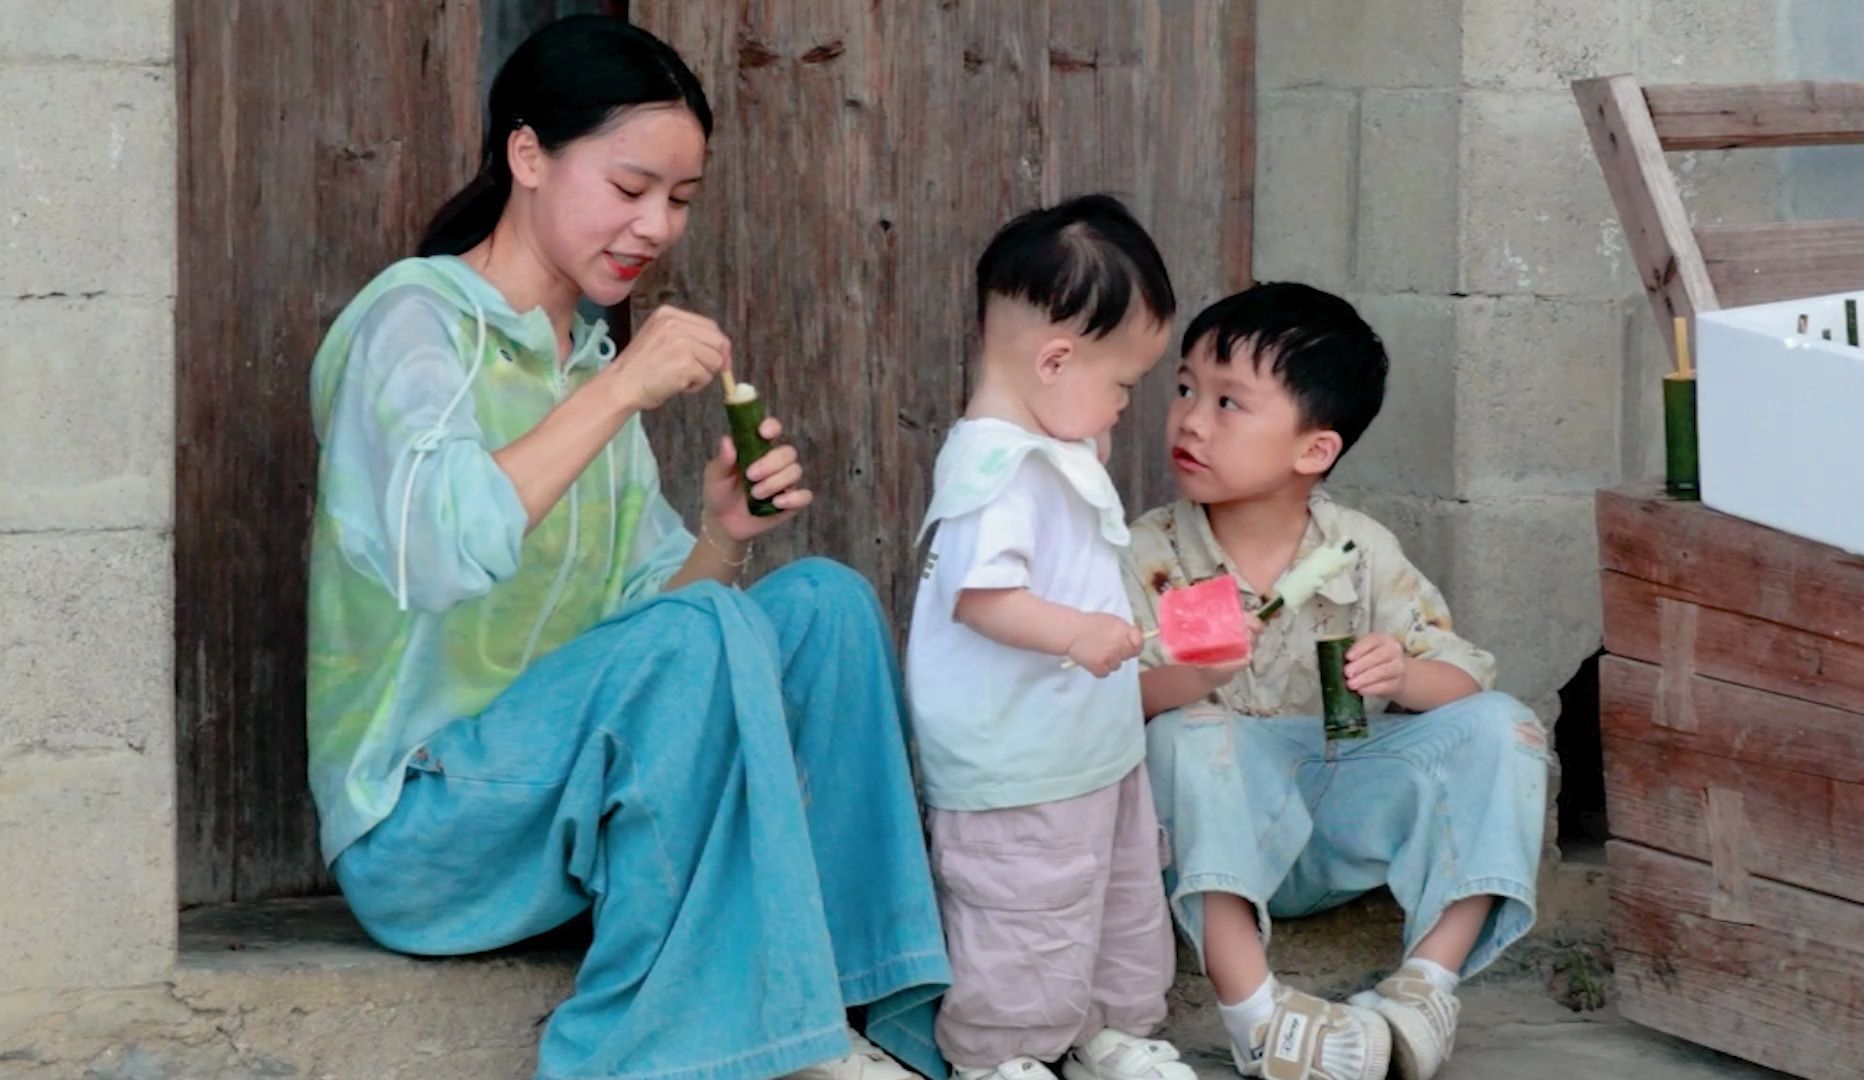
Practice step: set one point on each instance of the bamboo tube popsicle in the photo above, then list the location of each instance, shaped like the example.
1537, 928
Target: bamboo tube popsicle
1681, 471
744, 410
1343, 711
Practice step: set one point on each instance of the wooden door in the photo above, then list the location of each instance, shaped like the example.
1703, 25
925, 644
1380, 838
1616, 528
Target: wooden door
314, 141
864, 154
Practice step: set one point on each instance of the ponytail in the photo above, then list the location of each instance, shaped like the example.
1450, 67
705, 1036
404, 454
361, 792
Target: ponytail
468, 217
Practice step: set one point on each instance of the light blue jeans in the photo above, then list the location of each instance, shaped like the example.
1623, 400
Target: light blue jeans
722, 777
1439, 807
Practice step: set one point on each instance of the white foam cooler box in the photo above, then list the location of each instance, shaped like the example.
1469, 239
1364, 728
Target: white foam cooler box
1780, 418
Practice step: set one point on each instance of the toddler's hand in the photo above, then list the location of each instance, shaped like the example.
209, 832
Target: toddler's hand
1376, 666
1103, 642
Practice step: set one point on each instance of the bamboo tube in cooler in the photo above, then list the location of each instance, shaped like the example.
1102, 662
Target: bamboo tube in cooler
1344, 711
1679, 436
745, 410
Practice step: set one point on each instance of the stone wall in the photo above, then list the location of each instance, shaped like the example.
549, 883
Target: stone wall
1823, 39
87, 879
1426, 159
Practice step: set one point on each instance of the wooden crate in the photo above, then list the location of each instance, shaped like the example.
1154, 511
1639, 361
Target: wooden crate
1732, 708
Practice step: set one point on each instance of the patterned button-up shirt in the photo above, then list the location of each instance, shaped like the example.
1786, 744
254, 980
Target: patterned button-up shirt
1380, 592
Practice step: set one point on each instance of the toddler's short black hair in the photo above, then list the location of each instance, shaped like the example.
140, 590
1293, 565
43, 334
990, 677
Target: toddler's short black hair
1313, 342
1084, 258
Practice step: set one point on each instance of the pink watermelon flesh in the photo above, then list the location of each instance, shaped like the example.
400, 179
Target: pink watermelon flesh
1203, 623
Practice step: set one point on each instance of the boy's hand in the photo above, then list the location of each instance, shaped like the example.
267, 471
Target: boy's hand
1103, 642
1376, 666
1217, 676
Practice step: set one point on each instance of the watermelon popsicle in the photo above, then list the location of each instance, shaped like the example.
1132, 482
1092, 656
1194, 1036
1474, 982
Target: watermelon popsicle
1203, 624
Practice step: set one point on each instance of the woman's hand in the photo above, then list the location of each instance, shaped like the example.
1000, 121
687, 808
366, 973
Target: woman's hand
674, 352
776, 476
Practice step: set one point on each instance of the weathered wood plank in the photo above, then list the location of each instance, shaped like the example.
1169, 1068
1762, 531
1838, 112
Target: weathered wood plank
1800, 828
921, 128
1237, 70
306, 165
847, 295
1729, 840
1656, 223
1735, 648
1757, 115
1736, 722
1714, 560
1677, 621
1154, 104
1758, 264
1786, 991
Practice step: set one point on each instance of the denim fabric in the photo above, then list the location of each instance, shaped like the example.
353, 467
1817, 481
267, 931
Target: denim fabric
722, 777
1438, 807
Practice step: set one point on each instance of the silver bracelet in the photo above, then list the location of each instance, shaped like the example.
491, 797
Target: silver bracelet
724, 556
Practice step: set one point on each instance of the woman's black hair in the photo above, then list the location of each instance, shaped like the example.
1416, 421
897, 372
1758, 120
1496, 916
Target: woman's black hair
566, 81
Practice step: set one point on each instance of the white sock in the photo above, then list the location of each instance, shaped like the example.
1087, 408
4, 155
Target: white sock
1243, 1018
1440, 977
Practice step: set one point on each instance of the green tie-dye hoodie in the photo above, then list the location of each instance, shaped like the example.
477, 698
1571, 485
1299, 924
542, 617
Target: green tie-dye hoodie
427, 597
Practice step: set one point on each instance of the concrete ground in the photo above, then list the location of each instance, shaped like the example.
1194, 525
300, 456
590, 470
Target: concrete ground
293, 989
1517, 1023
1514, 1029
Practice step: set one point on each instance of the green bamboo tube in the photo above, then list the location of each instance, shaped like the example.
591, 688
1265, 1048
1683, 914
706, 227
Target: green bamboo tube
745, 411
1679, 436
1851, 322
1344, 712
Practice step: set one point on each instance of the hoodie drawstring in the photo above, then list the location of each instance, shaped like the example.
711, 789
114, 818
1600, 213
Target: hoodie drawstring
430, 441
606, 349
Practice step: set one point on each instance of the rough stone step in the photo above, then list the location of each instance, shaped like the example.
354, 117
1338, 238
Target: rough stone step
294, 988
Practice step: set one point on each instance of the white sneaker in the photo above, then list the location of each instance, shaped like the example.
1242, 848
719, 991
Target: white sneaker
1422, 1019
1311, 1039
1115, 1055
1022, 1068
866, 1062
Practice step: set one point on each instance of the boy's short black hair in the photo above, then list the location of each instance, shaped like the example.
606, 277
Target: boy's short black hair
1313, 342
1082, 258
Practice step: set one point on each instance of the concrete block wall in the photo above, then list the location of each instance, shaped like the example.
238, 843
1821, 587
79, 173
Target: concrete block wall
87, 268
1425, 158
